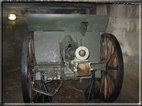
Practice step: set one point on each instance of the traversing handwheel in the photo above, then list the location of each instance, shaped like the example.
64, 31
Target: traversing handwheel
27, 63
111, 80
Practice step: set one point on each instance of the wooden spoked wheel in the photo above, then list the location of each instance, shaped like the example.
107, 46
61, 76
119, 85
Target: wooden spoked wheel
27, 76
26, 69
111, 80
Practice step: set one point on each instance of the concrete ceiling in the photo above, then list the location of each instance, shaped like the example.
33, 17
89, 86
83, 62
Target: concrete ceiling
22, 8
51, 7
56, 7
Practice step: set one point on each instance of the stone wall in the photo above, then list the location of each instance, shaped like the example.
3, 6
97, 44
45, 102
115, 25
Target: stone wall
13, 33
124, 24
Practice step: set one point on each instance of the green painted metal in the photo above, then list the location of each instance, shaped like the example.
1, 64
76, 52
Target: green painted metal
99, 66
66, 22
47, 48
54, 33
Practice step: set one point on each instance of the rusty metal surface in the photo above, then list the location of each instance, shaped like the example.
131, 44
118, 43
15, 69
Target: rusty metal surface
83, 69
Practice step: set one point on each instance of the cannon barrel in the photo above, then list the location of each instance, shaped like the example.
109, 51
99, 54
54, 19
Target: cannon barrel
71, 51
80, 53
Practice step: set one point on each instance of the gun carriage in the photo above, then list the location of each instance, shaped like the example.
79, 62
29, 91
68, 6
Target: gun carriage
66, 47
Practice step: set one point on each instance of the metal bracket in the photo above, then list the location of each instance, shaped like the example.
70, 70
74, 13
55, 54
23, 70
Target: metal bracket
91, 94
98, 66
49, 93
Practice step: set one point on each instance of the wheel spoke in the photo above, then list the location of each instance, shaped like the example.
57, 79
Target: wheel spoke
112, 75
105, 87
30, 52
111, 67
110, 48
102, 49
110, 85
102, 83
112, 57
105, 47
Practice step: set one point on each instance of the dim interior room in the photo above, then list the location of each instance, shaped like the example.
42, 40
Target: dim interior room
124, 23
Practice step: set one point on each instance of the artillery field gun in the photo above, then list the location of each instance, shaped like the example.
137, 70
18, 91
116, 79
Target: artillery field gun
70, 46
